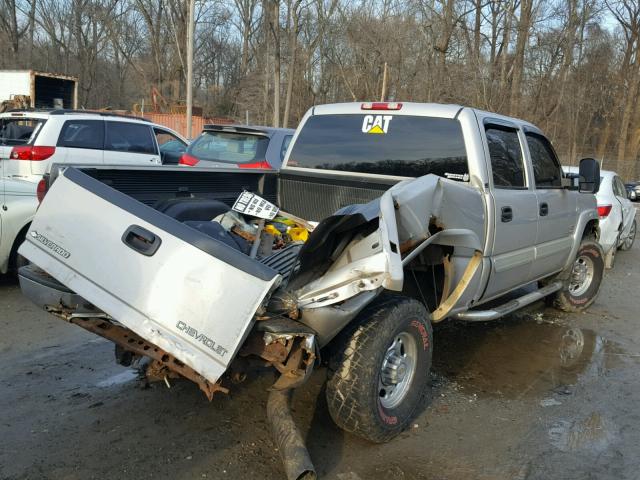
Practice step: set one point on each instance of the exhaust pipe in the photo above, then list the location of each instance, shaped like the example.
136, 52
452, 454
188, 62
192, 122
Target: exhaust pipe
293, 451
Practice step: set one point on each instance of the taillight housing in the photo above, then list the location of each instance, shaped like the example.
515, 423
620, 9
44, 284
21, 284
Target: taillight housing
261, 164
381, 106
35, 153
41, 189
604, 210
189, 160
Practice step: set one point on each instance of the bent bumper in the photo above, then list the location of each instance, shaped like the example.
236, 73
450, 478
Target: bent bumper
46, 292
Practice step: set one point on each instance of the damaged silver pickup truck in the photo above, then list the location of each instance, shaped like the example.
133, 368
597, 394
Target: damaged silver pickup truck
385, 218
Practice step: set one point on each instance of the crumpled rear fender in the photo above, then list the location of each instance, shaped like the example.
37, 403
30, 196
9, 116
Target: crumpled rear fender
406, 216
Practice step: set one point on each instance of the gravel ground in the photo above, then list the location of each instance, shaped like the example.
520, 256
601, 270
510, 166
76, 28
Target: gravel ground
538, 395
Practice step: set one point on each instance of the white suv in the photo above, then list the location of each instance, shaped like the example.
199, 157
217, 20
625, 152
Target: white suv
31, 141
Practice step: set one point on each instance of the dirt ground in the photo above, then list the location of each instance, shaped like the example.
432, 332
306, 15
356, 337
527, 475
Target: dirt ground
538, 395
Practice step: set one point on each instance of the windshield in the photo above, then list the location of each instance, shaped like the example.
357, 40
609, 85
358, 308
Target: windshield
398, 145
19, 131
229, 147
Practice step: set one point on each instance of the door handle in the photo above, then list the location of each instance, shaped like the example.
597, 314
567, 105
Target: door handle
544, 209
141, 240
507, 214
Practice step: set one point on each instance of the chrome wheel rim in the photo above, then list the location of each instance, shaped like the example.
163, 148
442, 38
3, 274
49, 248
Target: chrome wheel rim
581, 275
397, 370
628, 242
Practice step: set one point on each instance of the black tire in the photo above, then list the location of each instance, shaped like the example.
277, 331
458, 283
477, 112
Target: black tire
17, 261
628, 242
572, 299
355, 369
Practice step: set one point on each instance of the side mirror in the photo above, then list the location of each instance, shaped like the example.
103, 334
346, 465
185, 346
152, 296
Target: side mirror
170, 158
589, 176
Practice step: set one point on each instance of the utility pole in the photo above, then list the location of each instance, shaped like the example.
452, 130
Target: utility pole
383, 94
190, 40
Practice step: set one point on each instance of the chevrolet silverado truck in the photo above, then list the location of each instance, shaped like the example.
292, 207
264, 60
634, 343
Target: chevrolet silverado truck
404, 215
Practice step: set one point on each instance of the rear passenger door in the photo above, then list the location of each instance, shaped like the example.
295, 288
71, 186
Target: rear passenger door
81, 141
557, 214
130, 143
515, 210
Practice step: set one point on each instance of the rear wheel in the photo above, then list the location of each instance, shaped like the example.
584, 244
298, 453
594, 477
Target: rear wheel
581, 288
628, 241
379, 370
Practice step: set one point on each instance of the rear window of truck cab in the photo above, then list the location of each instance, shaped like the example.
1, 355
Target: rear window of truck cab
398, 145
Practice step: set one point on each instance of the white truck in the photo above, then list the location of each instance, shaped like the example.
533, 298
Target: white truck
20, 89
425, 212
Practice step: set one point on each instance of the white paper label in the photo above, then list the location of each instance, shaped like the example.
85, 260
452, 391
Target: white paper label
251, 204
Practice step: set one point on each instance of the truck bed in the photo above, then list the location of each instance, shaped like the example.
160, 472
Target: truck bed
310, 195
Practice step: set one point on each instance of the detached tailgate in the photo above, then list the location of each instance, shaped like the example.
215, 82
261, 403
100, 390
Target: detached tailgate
176, 287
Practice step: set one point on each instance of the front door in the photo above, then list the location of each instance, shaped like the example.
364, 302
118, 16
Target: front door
515, 211
557, 213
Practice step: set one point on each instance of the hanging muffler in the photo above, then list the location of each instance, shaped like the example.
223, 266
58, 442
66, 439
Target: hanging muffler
293, 451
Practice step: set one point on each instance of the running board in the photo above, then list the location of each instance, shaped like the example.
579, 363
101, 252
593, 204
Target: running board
509, 307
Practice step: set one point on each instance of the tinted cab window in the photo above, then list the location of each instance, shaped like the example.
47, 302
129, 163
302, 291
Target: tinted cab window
398, 145
507, 164
546, 168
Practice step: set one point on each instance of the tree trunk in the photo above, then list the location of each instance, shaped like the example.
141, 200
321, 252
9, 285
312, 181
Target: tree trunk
275, 31
524, 25
629, 100
504, 51
293, 47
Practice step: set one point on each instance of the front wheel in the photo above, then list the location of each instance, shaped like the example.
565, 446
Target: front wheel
581, 288
17, 261
628, 242
379, 370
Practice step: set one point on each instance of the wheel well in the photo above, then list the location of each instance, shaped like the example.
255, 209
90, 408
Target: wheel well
591, 229
425, 276
16, 243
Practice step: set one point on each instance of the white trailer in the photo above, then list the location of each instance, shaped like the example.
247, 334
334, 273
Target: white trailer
44, 90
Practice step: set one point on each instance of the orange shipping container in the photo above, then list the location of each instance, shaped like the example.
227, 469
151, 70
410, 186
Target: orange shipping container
178, 122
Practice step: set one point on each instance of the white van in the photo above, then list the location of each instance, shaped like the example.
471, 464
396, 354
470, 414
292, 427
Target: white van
32, 140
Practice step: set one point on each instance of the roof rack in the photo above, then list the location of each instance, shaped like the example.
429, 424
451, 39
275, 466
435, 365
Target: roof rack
65, 111
30, 109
